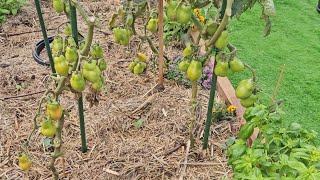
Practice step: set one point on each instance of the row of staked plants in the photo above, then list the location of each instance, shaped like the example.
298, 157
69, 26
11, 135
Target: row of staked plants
277, 152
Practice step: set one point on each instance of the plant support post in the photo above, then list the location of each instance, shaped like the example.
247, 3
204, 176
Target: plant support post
161, 43
45, 36
73, 20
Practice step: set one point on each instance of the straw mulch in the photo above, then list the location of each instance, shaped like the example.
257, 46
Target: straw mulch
117, 149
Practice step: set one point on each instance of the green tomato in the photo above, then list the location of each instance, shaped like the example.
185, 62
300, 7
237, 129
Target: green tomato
152, 25
54, 109
61, 65
244, 89
132, 65
138, 69
187, 51
71, 54
57, 44
77, 82
183, 66
222, 69
212, 28
67, 7
24, 162
67, 30
96, 52
90, 66
184, 14
102, 64
98, 84
58, 6
171, 10
249, 101
48, 128
222, 40
91, 71
236, 65
194, 70
71, 42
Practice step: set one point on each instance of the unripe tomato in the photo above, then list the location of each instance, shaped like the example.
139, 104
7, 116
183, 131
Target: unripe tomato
249, 101
71, 42
184, 14
236, 65
57, 44
24, 162
212, 28
187, 51
124, 37
67, 7
194, 70
222, 69
54, 109
71, 54
91, 71
96, 52
82, 44
152, 25
138, 69
77, 82
67, 30
223, 40
132, 65
142, 57
102, 64
98, 84
116, 35
61, 65
171, 10
183, 66
244, 89
48, 128
58, 6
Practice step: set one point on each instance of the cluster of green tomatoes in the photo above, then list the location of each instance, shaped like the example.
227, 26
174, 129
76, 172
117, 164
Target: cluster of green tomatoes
138, 65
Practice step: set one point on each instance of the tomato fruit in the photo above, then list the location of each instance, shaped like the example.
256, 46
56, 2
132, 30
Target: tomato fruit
102, 64
61, 65
249, 101
194, 70
236, 65
24, 162
71, 54
91, 71
77, 82
222, 40
244, 89
183, 66
67, 30
142, 57
58, 6
57, 44
139, 68
184, 14
171, 10
48, 128
152, 25
187, 51
96, 52
71, 42
67, 7
116, 35
121, 36
132, 65
54, 109
212, 28
98, 84
222, 69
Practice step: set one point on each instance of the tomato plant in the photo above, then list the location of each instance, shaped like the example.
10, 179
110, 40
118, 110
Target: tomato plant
78, 65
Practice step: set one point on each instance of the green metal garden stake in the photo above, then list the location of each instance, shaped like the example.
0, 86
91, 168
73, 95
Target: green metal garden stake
209, 112
45, 36
74, 26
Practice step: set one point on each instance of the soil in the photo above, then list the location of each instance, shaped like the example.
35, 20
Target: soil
116, 149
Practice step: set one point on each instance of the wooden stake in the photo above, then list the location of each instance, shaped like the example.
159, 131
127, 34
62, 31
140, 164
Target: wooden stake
278, 83
161, 43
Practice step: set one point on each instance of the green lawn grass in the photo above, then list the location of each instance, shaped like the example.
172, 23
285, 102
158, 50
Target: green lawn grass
294, 41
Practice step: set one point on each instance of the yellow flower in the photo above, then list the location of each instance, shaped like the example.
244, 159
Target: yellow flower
197, 11
201, 19
232, 108
213, 110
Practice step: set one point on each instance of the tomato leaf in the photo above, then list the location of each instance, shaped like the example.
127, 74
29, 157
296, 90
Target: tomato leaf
138, 124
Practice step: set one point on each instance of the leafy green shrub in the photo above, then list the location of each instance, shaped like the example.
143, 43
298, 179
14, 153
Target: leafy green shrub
278, 152
9, 7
